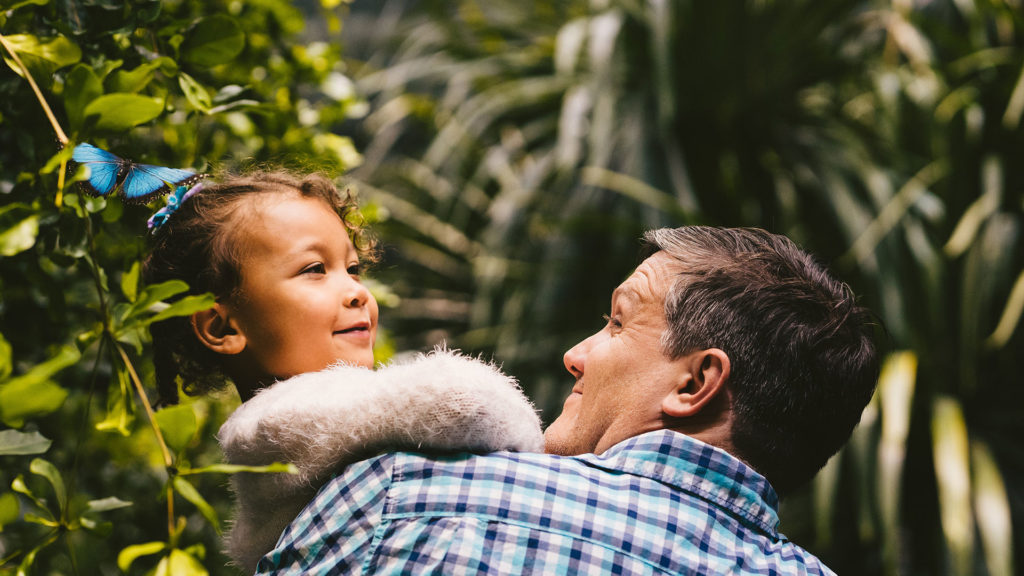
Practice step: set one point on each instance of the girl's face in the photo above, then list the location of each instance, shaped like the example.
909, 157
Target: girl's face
301, 306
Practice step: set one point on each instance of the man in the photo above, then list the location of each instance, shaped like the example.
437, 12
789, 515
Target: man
730, 369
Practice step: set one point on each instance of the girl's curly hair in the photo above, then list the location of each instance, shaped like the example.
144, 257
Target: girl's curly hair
198, 244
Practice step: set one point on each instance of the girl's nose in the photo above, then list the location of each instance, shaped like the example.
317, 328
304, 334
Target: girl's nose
356, 294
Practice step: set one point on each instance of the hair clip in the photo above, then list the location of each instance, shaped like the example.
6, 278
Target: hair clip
174, 201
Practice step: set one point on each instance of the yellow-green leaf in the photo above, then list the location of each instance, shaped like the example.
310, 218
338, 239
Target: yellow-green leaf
135, 551
178, 425
189, 492
119, 112
949, 450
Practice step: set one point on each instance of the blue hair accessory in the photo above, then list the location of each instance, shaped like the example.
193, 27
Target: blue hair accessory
174, 201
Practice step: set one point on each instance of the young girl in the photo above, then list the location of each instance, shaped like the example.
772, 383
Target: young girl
293, 329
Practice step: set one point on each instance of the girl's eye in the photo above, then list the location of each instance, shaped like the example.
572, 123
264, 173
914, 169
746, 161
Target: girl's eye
612, 321
355, 269
315, 268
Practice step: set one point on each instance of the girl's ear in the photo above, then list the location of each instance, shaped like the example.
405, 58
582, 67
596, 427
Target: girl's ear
705, 376
217, 330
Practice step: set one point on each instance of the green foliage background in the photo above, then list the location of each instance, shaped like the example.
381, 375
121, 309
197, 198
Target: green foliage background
512, 152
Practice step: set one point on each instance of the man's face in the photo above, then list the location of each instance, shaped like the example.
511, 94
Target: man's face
621, 373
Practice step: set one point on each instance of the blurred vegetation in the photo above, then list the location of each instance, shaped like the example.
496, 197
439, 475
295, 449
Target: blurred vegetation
519, 149
88, 484
512, 153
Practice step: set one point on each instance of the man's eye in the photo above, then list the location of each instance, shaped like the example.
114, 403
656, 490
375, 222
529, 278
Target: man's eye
316, 268
612, 321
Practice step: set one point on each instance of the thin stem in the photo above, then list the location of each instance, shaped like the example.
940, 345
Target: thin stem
35, 88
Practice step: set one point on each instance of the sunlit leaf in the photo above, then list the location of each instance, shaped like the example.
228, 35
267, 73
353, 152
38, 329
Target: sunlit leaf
979, 210
47, 470
189, 492
119, 112
992, 511
106, 504
213, 40
9, 509
895, 393
130, 282
120, 407
1010, 318
132, 81
194, 92
5, 358
950, 452
180, 563
19, 235
185, 307
33, 394
178, 426
42, 56
20, 443
136, 551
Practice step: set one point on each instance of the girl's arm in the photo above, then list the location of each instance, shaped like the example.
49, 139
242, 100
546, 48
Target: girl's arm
322, 421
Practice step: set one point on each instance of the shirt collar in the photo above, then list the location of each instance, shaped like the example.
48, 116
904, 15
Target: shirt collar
697, 468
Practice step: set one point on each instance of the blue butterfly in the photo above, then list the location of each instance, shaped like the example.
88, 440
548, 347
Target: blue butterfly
137, 183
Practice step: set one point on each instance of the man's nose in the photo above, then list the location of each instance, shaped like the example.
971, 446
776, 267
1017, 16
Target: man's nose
574, 359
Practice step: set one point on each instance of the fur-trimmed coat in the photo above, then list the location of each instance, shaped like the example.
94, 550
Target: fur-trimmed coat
323, 421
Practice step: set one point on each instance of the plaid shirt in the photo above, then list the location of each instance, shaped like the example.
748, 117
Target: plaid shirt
658, 503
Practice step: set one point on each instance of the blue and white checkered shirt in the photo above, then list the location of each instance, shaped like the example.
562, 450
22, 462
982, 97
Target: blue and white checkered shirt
659, 503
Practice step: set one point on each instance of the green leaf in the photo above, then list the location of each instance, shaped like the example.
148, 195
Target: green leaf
13, 442
276, 467
33, 394
106, 504
47, 470
119, 112
81, 87
185, 307
178, 425
180, 563
27, 399
1010, 318
950, 452
5, 358
130, 282
9, 509
135, 551
132, 81
213, 40
19, 237
992, 510
154, 293
43, 57
189, 492
195, 93
120, 408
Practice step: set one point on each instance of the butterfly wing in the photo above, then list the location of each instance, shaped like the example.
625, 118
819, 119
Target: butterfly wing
104, 168
144, 181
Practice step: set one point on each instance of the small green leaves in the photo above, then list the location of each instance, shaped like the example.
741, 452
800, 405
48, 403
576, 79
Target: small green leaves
213, 40
13, 442
118, 112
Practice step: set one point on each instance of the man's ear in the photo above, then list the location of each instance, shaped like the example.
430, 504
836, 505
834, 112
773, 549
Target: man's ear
705, 375
217, 330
